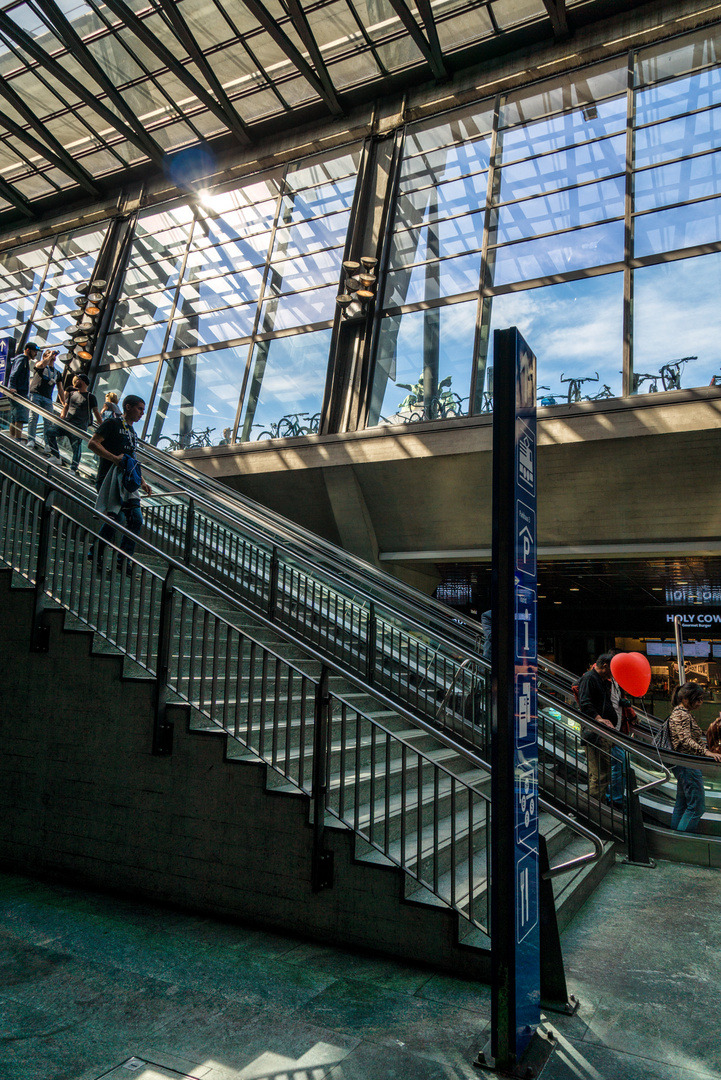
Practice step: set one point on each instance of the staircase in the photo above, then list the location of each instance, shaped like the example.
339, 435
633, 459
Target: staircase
402, 810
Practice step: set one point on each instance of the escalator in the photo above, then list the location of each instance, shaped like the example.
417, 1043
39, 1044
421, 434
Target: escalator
416, 653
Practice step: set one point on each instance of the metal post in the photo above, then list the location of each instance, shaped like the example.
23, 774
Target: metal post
273, 587
40, 633
162, 728
554, 989
637, 843
678, 630
322, 870
189, 533
371, 646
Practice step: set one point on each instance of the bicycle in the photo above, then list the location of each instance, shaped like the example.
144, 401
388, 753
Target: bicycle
574, 387
289, 427
440, 408
671, 372
602, 395
546, 399
639, 378
191, 440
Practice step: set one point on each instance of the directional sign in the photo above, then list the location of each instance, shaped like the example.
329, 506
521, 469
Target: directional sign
7, 351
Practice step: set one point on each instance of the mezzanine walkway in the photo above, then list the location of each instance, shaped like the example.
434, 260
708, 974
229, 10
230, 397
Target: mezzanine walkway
90, 981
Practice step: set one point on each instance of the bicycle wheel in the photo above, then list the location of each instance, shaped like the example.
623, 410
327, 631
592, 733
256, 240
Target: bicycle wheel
286, 429
172, 444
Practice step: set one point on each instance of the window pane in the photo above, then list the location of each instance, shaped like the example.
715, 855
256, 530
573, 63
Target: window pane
215, 327
317, 268
311, 235
578, 88
430, 281
562, 210
678, 138
588, 162
217, 292
227, 258
575, 329
595, 246
447, 163
313, 202
680, 227
682, 54
197, 399
681, 95
456, 197
434, 345
555, 132
298, 309
680, 181
449, 237
461, 126
676, 313
134, 344
137, 380
286, 385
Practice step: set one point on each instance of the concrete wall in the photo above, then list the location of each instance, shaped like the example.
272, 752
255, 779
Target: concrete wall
82, 796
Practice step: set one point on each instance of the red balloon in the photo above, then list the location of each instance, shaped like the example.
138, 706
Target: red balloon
632, 672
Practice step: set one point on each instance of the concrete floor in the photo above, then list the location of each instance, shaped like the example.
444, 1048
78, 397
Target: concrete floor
96, 986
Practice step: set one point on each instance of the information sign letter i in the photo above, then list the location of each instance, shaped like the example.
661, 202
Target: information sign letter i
514, 721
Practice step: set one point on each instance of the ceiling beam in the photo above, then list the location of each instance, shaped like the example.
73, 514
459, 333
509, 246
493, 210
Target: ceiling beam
143, 32
134, 134
50, 148
267, 21
229, 115
40, 148
302, 26
557, 14
404, 14
17, 199
426, 13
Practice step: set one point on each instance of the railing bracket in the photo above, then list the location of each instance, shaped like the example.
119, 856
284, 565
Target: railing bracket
322, 873
163, 738
40, 639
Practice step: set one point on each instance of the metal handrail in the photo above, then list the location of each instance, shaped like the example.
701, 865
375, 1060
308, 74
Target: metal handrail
580, 860
223, 502
437, 734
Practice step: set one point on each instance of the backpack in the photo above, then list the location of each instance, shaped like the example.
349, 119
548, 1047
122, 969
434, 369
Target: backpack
132, 474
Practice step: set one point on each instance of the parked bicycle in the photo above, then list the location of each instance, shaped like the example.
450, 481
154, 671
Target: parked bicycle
546, 398
574, 386
291, 426
639, 378
448, 405
671, 372
605, 392
190, 440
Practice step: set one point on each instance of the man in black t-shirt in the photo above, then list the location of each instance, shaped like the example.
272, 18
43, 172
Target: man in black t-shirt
79, 404
112, 441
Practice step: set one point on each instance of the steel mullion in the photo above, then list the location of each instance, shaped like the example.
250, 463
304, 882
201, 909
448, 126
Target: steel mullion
241, 40
627, 365
33, 170
302, 27
414, 31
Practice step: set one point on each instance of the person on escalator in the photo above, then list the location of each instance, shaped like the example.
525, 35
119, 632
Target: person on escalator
595, 701
687, 738
713, 736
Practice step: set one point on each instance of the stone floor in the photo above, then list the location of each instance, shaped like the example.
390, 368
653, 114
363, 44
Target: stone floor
95, 986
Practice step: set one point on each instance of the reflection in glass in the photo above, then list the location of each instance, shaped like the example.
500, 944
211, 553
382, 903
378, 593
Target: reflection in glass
575, 330
679, 227
450, 237
678, 138
286, 385
576, 250
424, 365
215, 326
555, 132
562, 210
138, 379
676, 314
680, 181
298, 309
590, 161
197, 399
430, 281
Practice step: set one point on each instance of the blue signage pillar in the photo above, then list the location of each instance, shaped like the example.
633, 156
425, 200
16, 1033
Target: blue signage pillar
514, 743
7, 351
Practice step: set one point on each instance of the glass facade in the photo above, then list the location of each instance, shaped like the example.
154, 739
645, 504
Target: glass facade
229, 301
37, 285
586, 211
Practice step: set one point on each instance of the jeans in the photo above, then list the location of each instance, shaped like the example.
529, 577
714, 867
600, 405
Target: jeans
133, 515
76, 444
690, 799
44, 403
618, 777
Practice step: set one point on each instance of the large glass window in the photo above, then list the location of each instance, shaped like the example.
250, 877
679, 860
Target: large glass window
209, 283
576, 193
677, 317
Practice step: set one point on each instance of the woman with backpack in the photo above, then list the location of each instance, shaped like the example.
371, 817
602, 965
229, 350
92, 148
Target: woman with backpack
686, 737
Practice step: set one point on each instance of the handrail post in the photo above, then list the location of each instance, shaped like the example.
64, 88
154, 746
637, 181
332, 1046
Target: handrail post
322, 869
371, 644
636, 835
40, 633
273, 586
554, 989
189, 532
162, 728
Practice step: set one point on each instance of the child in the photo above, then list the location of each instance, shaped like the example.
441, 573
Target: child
111, 407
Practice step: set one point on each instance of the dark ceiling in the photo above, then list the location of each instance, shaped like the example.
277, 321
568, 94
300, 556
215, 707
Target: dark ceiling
96, 94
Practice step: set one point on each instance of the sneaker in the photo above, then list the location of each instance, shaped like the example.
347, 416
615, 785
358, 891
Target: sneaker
30, 444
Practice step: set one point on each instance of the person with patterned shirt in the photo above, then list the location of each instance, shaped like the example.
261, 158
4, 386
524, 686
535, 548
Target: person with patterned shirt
687, 738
